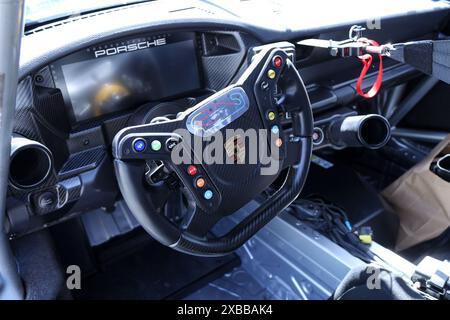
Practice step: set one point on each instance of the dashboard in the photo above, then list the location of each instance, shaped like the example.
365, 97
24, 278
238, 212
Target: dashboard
84, 79
73, 106
116, 76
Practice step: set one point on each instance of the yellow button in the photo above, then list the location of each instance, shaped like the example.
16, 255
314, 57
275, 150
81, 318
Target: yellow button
365, 238
271, 115
271, 74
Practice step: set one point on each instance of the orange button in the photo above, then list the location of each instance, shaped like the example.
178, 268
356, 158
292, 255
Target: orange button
278, 142
200, 182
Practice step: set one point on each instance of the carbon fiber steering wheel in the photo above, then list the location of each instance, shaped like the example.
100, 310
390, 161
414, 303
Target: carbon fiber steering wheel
266, 108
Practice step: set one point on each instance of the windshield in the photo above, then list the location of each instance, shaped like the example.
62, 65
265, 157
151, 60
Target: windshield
41, 11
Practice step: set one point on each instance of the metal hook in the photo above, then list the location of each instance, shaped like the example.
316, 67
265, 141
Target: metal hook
355, 32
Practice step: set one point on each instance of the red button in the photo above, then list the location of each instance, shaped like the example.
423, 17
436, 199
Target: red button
192, 170
277, 62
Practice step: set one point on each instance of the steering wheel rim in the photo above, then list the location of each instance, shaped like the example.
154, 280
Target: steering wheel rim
258, 84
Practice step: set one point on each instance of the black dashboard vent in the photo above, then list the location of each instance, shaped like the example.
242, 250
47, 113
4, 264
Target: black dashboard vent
222, 54
216, 44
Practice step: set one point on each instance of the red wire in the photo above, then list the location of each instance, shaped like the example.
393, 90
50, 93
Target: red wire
366, 60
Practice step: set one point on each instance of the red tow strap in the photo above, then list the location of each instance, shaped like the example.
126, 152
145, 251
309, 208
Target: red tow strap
366, 60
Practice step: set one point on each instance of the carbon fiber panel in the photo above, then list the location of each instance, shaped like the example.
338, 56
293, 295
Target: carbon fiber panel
82, 161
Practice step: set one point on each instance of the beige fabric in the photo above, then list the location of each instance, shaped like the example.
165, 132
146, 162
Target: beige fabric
421, 200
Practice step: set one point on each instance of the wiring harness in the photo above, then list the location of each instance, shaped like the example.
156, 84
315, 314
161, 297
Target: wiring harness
332, 221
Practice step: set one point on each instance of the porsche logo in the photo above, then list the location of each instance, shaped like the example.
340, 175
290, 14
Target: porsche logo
235, 148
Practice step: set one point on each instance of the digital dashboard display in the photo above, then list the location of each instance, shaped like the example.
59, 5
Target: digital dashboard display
126, 75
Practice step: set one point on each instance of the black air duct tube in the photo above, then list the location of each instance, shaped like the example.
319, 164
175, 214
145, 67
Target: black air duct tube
371, 131
31, 163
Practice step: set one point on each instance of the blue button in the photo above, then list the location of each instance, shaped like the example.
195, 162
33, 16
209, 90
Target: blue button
208, 195
139, 145
275, 129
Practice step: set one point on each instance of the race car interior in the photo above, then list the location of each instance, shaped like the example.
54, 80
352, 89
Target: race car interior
101, 96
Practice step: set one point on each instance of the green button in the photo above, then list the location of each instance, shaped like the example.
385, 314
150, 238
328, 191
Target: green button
156, 145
